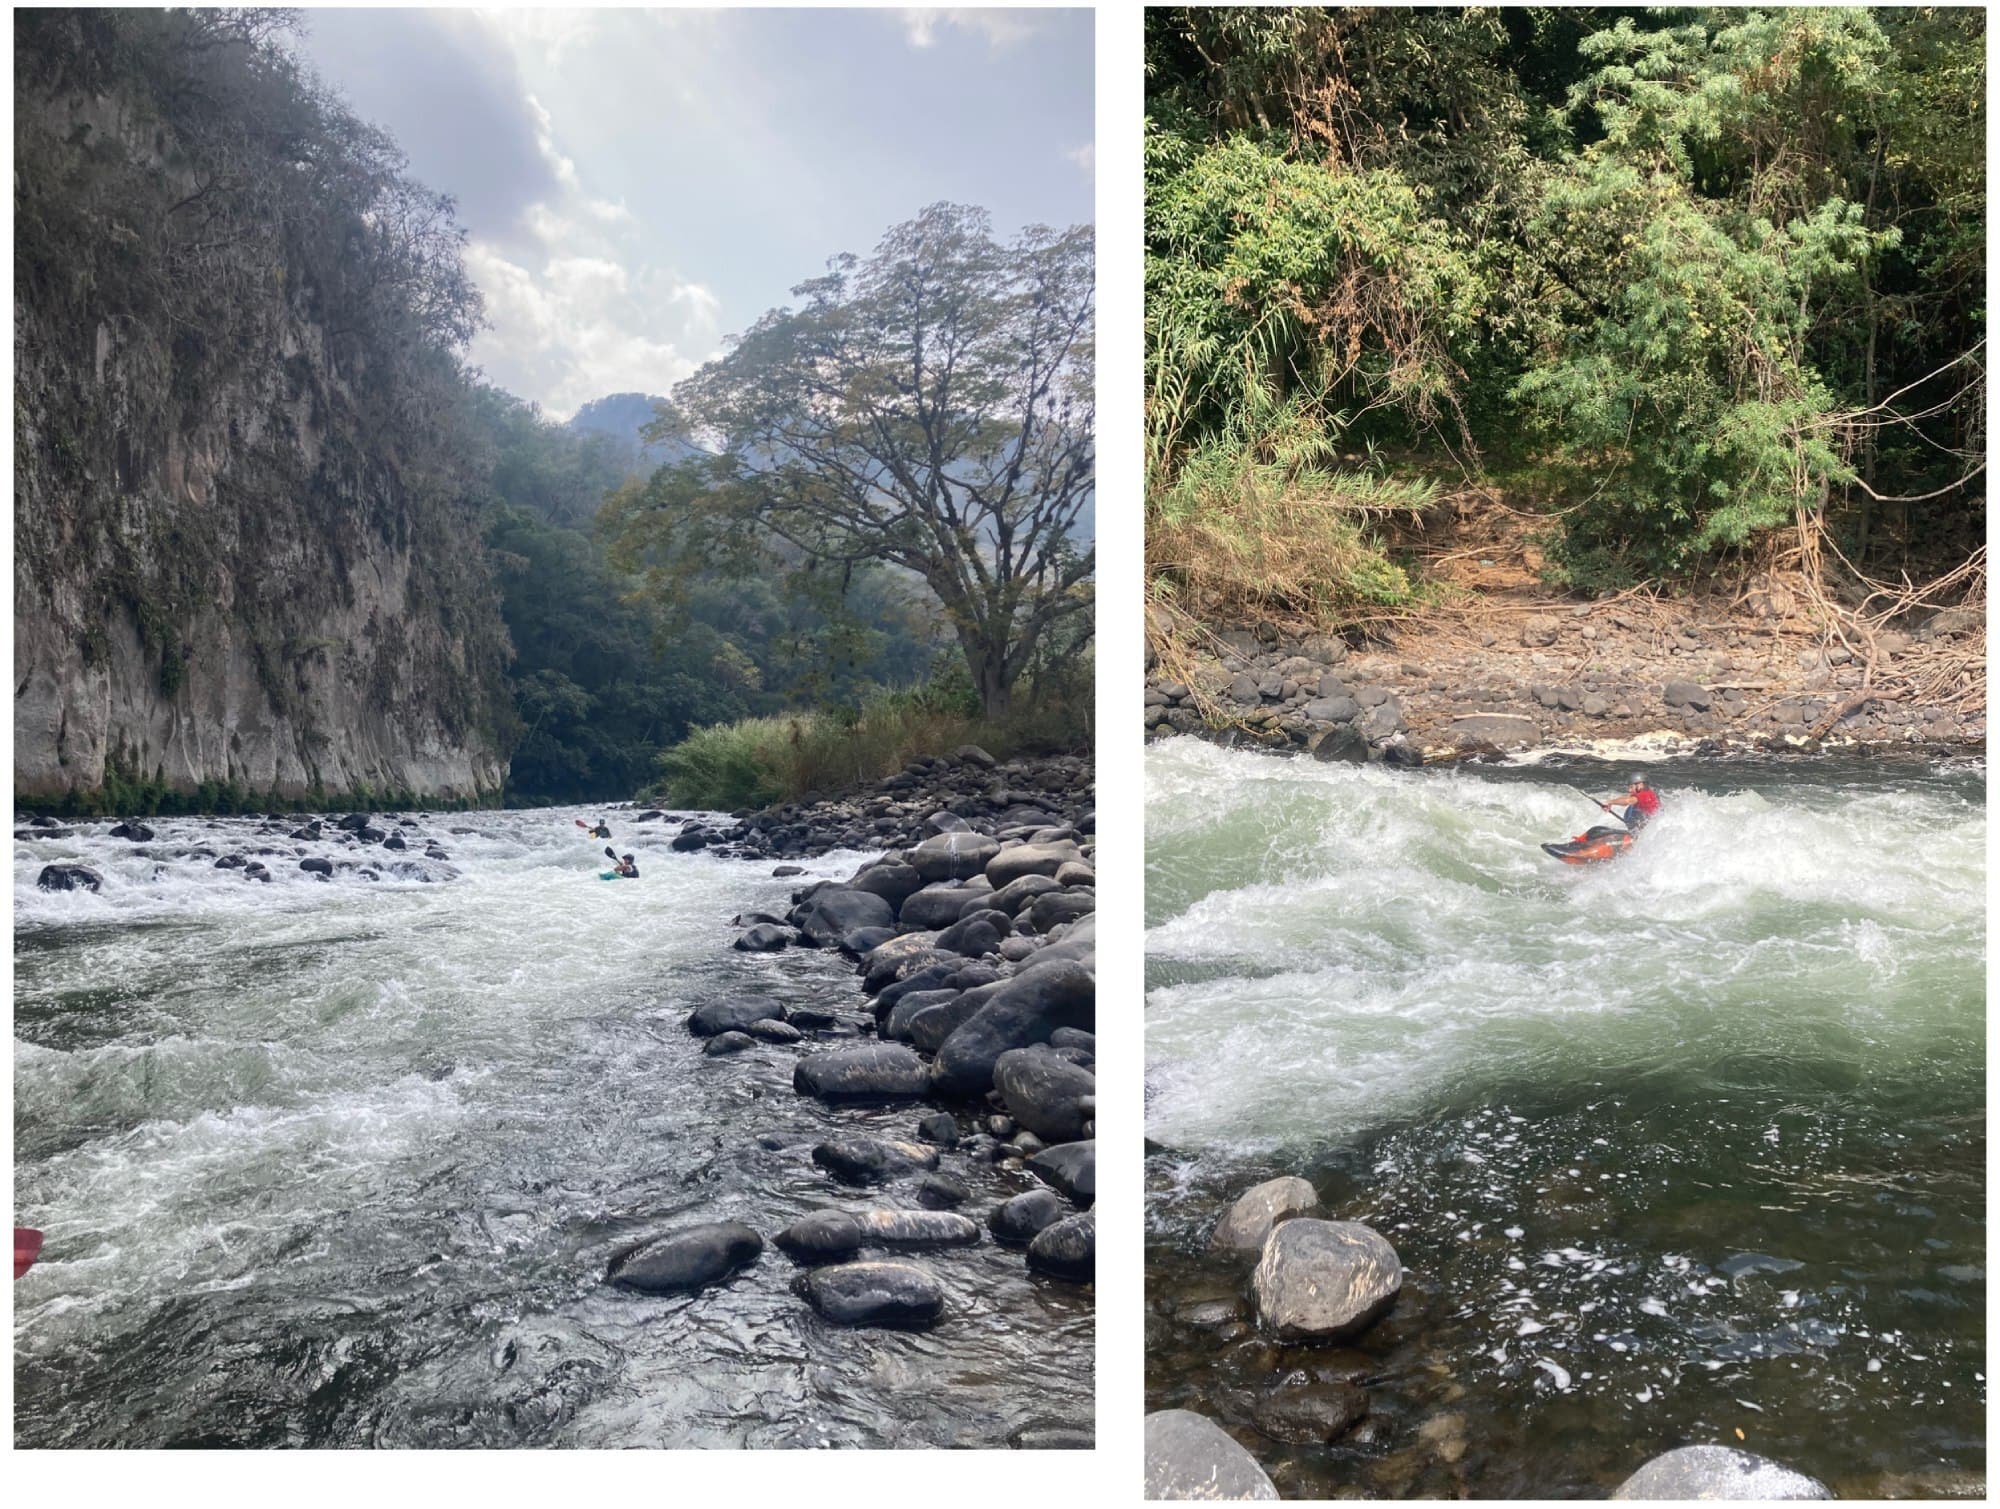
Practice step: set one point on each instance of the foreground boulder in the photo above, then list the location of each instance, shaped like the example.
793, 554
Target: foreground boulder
687, 1260
865, 1072
1046, 1093
1249, 1221
1025, 1011
873, 1160
68, 878
1324, 1280
874, 1294
828, 1234
1718, 1472
1189, 1456
1067, 1249
1071, 1168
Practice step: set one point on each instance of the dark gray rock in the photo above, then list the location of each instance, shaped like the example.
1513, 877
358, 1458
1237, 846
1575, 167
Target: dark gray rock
687, 1260
1189, 1456
731, 1016
724, 1043
940, 1127
834, 912
829, 1234
1310, 1414
943, 1192
1046, 1093
1009, 865
1072, 1168
1501, 730
70, 878
865, 1072
1686, 694
873, 1160
1025, 1010
1066, 1249
771, 1030
1015, 1222
764, 938
935, 906
892, 880
1058, 907
889, 1294
953, 856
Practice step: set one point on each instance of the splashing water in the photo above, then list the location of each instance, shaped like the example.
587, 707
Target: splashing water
342, 1162
1683, 1144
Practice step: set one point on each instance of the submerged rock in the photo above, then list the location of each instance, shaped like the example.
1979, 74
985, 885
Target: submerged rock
68, 878
874, 1294
718, 1017
873, 1160
1324, 1280
1309, 1414
1189, 1456
1718, 1472
827, 1234
687, 1260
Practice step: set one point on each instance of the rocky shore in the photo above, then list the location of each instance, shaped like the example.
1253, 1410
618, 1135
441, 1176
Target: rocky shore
974, 941
1296, 1290
1563, 675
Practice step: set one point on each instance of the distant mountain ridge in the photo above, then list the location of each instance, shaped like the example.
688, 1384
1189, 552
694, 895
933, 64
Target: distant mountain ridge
623, 417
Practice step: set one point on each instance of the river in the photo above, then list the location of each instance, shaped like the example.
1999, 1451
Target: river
1685, 1148
342, 1162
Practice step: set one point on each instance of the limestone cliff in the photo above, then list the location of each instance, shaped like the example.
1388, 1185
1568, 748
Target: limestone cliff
245, 553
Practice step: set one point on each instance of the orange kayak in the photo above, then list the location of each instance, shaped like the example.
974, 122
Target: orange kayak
1594, 847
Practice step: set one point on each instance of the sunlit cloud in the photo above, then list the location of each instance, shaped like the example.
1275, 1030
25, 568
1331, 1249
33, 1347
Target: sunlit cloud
999, 28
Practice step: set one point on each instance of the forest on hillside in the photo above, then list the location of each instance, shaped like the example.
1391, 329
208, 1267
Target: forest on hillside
1699, 288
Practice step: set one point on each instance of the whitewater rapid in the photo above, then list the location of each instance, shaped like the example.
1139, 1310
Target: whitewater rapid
342, 1162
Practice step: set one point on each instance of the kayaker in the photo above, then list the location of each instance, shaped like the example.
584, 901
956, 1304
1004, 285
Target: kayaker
628, 867
602, 830
1641, 803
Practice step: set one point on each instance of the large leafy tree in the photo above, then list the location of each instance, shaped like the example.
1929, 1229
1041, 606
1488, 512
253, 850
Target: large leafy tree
929, 407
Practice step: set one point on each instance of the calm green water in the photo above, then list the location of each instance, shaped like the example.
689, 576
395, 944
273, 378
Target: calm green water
1685, 1145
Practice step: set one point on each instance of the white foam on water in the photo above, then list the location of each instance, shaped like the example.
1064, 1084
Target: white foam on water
1334, 946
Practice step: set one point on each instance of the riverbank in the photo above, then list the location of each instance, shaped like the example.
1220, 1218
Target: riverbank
1667, 1150
976, 949
1532, 671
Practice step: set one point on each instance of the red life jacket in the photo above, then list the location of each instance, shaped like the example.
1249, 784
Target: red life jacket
1647, 800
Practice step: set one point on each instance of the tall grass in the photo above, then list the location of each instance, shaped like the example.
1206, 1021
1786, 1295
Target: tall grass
758, 761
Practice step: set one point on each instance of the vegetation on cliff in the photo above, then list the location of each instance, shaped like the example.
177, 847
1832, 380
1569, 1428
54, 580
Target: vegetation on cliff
1702, 285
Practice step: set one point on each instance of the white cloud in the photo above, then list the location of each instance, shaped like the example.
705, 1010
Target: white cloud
579, 313
1085, 157
1000, 28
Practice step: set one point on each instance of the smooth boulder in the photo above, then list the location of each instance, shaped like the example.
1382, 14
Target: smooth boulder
1025, 1011
1189, 1456
1324, 1280
1071, 1167
874, 1294
952, 856
1046, 1093
833, 912
1256, 1211
718, 1017
873, 1160
1718, 1472
865, 1072
1066, 1248
687, 1260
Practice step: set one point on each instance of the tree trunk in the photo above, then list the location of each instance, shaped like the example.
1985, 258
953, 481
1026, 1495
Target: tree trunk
989, 675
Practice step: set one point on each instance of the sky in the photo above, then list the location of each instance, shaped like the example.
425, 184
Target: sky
638, 185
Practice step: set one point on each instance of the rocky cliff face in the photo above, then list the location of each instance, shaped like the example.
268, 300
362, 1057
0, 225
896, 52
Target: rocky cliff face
231, 567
